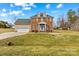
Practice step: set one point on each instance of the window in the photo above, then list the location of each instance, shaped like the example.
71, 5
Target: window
41, 15
36, 19
42, 20
36, 27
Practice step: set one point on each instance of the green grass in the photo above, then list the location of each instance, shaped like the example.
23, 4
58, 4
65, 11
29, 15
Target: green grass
39, 51
4, 30
66, 43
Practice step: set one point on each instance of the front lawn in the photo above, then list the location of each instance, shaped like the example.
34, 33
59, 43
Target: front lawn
62, 43
39, 50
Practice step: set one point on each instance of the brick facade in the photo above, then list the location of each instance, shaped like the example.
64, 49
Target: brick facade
41, 24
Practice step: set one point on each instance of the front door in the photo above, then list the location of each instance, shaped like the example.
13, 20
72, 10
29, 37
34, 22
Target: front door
42, 27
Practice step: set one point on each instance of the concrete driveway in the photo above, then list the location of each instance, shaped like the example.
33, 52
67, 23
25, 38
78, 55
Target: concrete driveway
11, 34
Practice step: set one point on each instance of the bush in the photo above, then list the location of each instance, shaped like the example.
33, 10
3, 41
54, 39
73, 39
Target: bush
10, 43
64, 28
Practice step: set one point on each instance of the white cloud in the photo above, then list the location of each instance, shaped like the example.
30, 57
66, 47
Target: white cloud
48, 6
59, 6
11, 5
26, 8
54, 11
3, 14
32, 4
15, 12
4, 10
22, 14
25, 4
19, 4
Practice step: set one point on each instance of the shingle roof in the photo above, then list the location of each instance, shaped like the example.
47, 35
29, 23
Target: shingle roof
22, 21
41, 15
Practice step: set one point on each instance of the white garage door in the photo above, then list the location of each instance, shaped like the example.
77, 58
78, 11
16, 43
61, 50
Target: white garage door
22, 29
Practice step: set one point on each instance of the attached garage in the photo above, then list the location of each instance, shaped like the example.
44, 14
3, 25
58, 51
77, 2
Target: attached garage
22, 28
22, 25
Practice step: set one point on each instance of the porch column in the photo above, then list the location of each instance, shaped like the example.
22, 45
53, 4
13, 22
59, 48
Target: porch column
45, 28
38, 27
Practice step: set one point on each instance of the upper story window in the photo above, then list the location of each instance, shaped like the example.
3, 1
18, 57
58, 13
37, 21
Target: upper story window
40, 14
42, 19
36, 19
51, 19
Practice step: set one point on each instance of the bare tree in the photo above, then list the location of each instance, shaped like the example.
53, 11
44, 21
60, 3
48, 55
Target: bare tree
62, 23
58, 22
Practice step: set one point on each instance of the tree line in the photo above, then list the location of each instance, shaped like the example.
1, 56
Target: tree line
4, 24
72, 16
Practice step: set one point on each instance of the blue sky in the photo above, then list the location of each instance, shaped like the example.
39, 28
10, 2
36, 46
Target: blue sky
11, 11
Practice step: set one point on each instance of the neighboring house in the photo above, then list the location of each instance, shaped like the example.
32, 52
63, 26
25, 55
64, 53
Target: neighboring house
37, 23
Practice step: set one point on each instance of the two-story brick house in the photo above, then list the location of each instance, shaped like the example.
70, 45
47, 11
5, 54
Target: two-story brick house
39, 22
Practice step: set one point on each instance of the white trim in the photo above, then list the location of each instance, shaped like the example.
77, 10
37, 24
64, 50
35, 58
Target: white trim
42, 23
